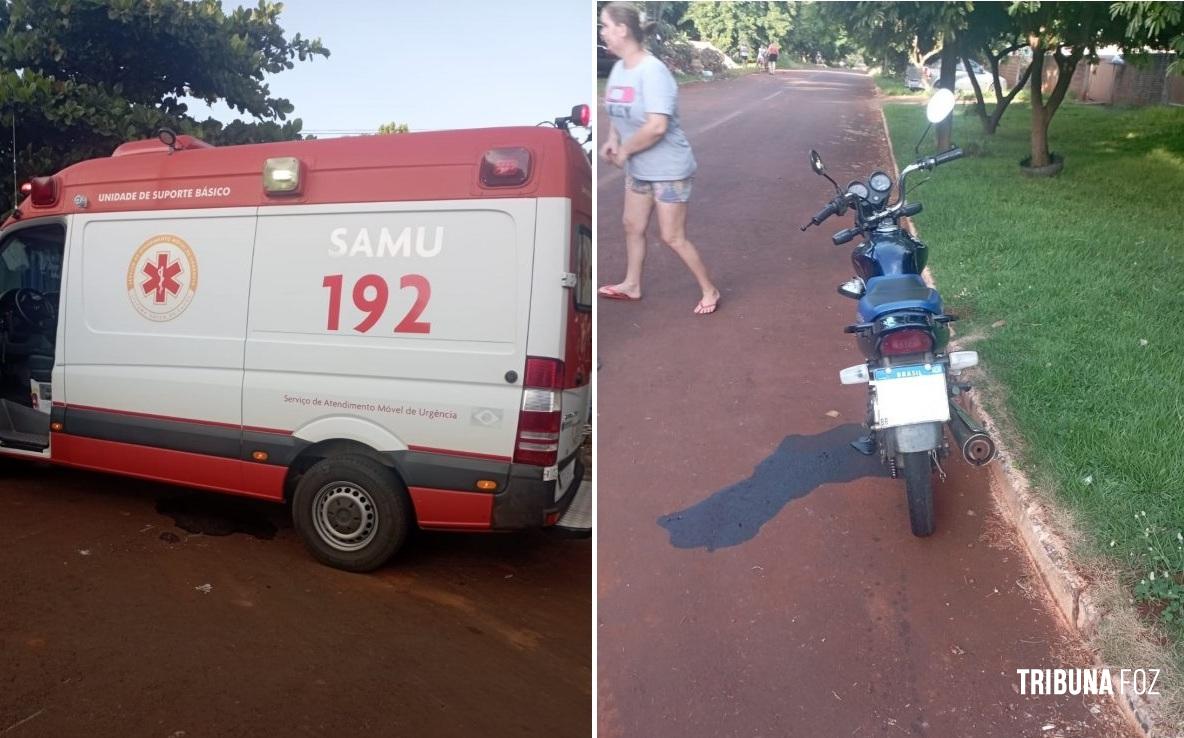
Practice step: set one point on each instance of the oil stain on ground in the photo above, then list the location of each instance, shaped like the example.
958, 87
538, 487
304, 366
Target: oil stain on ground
800, 465
218, 515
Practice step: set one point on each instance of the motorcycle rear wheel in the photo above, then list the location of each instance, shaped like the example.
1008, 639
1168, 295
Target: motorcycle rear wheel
918, 482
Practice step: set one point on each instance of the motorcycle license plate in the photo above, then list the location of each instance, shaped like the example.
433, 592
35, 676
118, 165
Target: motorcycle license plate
907, 395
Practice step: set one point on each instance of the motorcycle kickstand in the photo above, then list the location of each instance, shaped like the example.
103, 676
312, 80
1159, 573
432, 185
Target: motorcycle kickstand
865, 445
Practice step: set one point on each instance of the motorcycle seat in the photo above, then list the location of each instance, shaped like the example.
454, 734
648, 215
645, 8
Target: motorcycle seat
895, 292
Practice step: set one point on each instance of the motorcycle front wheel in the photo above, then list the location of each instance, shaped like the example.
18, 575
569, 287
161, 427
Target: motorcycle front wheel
918, 481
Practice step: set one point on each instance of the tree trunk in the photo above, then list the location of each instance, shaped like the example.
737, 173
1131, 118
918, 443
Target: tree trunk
1042, 112
949, 67
1039, 134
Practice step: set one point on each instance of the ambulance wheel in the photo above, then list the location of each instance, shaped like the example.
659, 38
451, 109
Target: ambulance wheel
352, 512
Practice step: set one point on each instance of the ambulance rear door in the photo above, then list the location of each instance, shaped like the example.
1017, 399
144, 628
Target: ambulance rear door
561, 318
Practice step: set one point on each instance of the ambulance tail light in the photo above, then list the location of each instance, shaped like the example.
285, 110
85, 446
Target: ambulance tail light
505, 167
542, 410
282, 176
44, 191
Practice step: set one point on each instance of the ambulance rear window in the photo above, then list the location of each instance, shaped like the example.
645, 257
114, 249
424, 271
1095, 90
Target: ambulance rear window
583, 257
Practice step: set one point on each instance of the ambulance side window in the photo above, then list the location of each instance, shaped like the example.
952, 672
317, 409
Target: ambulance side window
32, 259
583, 258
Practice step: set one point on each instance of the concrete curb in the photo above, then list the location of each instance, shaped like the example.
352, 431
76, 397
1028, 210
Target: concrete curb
1045, 546
1048, 552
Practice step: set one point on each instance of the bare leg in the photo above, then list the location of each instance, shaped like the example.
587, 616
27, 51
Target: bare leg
638, 208
672, 222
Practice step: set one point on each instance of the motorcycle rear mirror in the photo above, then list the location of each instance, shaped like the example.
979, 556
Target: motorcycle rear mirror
816, 162
940, 105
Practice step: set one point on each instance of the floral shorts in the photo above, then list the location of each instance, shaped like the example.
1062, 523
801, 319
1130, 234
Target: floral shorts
675, 190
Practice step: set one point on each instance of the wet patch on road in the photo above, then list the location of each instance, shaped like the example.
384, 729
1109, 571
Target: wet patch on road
800, 465
217, 515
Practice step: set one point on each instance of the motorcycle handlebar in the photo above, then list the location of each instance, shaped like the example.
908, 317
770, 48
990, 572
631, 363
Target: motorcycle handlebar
825, 213
947, 156
832, 207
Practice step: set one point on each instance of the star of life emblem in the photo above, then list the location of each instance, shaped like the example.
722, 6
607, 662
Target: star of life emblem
162, 278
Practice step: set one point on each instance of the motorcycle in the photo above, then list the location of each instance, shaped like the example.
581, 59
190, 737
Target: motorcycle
903, 332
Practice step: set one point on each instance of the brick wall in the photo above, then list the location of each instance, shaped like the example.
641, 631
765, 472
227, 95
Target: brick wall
1010, 69
1145, 84
1175, 90
1141, 85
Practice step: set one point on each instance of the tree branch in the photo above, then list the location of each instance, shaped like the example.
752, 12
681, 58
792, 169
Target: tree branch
980, 104
1019, 85
1065, 71
999, 57
994, 60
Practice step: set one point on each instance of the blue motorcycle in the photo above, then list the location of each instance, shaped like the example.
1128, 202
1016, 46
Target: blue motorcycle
903, 332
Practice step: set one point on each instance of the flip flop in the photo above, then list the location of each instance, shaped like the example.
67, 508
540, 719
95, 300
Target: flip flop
702, 309
609, 292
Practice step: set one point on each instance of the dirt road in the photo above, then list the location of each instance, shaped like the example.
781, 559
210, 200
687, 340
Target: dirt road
757, 576
131, 609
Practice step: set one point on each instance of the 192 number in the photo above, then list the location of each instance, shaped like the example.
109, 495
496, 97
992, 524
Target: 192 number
371, 295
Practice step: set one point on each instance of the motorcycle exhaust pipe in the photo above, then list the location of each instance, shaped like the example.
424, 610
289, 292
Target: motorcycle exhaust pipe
977, 447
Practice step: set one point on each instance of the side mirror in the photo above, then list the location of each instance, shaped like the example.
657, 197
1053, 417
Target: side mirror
816, 162
940, 105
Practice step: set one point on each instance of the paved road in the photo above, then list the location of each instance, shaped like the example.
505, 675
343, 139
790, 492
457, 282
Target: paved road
756, 576
103, 631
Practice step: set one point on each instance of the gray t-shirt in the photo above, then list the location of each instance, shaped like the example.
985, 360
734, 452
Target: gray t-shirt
629, 96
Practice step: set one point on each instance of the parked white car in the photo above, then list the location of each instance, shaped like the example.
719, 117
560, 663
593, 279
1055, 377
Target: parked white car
961, 78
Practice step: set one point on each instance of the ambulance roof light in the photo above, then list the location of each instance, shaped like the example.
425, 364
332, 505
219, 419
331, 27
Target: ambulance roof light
505, 167
282, 176
44, 191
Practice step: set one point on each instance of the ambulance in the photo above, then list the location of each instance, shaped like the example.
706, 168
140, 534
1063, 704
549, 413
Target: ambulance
383, 331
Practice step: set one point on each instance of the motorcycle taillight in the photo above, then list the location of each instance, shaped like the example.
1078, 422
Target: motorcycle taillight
908, 341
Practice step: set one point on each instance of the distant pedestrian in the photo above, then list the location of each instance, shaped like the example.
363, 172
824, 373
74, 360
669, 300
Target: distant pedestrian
645, 138
762, 56
773, 53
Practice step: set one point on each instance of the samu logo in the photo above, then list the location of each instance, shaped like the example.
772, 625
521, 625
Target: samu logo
162, 278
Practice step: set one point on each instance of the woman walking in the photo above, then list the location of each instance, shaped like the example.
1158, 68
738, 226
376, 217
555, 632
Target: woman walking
645, 139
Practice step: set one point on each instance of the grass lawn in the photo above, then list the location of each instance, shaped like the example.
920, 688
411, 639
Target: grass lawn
893, 87
1087, 271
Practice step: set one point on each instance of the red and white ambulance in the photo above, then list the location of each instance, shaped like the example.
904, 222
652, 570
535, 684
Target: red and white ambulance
387, 331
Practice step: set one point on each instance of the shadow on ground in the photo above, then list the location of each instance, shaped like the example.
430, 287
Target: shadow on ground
800, 465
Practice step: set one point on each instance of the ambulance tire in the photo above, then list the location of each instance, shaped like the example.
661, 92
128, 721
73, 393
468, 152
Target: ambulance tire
368, 503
